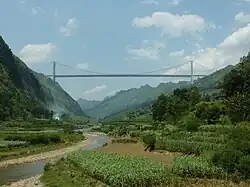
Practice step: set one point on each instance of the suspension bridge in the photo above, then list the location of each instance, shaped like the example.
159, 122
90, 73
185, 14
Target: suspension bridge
144, 74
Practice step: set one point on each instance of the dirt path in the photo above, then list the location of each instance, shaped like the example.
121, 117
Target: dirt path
47, 155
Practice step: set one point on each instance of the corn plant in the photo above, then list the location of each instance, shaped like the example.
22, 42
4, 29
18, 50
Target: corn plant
116, 170
188, 147
197, 166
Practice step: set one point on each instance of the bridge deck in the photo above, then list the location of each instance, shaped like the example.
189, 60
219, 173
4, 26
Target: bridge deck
123, 75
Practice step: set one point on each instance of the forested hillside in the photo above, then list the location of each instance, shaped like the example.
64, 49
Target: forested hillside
129, 99
21, 93
24, 92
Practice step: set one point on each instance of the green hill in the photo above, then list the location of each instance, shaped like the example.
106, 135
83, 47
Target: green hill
24, 91
129, 100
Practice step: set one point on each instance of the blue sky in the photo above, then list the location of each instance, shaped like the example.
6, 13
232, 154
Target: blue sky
131, 36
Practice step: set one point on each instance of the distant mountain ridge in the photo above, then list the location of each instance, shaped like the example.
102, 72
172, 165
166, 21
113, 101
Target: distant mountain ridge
86, 104
127, 100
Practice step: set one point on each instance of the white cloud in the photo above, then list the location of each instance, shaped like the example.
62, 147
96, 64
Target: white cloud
154, 2
175, 2
229, 51
149, 50
174, 25
33, 53
23, 1
97, 89
177, 53
242, 17
36, 10
82, 66
71, 25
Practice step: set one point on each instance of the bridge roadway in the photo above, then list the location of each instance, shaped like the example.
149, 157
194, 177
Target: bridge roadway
123, 75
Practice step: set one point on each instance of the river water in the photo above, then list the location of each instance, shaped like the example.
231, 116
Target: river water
22, 171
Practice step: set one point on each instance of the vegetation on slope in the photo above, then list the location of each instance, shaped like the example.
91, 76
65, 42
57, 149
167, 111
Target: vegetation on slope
26, 93
129, 99
21, 93
139, 100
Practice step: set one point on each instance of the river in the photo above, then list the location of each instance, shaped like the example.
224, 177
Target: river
25, 170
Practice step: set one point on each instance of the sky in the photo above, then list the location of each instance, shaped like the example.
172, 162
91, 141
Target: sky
132, 36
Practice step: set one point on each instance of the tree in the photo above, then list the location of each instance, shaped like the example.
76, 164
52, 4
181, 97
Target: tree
159, 108
238, 79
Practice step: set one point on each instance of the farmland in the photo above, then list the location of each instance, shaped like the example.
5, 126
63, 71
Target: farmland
189, 139
23, 138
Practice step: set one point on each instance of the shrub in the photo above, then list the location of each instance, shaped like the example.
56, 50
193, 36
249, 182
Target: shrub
210, 112
244, 167
225, 120
135, 134
190, 122
149, 140
227, 159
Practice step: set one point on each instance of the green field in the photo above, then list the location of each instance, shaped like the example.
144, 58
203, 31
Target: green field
18, 139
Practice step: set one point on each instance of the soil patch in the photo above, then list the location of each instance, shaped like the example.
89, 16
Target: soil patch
137, 150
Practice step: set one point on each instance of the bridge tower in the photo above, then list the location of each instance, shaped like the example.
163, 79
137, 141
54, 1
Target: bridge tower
192, 72
54, 71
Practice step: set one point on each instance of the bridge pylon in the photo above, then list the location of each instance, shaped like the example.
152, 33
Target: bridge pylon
54, 71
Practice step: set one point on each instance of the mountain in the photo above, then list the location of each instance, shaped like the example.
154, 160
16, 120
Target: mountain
23, 91
127, 99
56, 98
20, 92
141, 98
86, 104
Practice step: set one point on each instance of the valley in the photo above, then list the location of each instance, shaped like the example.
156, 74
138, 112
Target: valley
175, 134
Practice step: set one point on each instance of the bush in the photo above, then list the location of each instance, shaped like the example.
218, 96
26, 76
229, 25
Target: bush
135, 134
244, 167
225, 120
190, 122
210, 112
149, 140
227, 159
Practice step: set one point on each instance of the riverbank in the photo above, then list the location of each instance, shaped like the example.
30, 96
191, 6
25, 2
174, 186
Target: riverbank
30, 182
46, 155
93, 140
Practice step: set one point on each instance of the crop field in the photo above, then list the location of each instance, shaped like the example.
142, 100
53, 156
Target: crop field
116, 170
180, 158
18, 139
